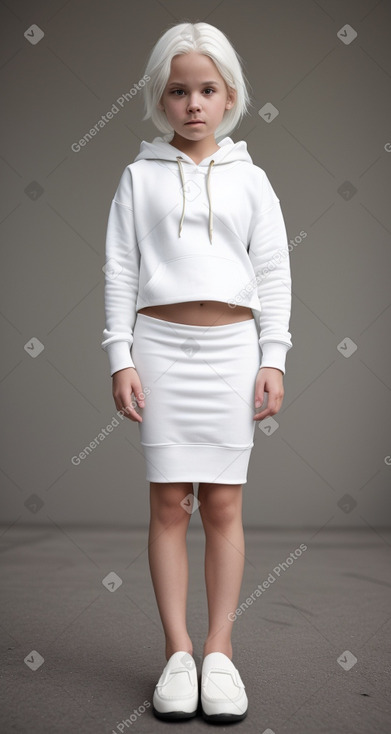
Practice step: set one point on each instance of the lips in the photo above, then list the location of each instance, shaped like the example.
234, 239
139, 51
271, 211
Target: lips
195, 122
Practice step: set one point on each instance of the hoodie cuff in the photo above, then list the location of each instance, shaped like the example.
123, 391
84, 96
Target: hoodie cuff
274, 355
119, 356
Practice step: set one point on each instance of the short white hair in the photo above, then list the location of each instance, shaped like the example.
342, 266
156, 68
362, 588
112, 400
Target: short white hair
201, 38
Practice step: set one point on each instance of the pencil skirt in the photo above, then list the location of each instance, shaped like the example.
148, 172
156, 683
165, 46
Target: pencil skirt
199, 385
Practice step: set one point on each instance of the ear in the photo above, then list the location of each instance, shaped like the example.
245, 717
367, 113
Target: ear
231, 98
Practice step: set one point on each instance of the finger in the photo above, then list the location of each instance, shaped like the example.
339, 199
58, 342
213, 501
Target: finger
276, 403
273, 406
261, 398
140, 398
261, 416
128, 409
131, 413
259, 393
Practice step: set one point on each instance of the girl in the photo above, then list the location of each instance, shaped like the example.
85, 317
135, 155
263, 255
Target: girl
197, 302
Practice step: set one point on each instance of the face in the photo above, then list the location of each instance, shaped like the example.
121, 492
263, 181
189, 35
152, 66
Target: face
195, 90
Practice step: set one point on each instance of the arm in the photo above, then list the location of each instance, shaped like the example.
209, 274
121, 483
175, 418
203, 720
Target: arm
120, 295
121, 277
269, 256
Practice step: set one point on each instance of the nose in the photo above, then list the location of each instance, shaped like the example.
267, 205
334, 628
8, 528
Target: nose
194, 103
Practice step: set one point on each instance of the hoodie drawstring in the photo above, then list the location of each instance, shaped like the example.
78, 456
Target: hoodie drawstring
210, 228
183, 192
210, 201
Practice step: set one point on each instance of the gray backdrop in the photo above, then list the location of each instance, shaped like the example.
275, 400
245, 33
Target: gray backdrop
326, 68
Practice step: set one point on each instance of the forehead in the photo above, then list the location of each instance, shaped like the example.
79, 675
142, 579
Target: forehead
193, 64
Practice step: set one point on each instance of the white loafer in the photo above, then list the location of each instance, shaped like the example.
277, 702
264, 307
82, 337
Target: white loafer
176, 692
223, 697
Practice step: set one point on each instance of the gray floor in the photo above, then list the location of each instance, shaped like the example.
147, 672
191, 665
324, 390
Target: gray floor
103, 650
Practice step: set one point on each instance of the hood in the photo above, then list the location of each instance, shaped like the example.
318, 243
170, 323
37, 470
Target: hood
161, 149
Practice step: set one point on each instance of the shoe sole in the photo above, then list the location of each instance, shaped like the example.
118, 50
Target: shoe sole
223, 718
173, 715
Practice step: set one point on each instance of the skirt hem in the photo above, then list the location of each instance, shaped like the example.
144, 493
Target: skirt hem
196, 463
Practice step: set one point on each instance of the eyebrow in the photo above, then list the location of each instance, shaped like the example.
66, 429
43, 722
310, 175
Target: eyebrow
181, 84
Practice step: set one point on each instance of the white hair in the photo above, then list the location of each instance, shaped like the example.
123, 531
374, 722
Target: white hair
201, 38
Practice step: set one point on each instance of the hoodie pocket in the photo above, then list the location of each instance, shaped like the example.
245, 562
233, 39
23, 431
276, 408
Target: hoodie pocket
150, 285
190, 277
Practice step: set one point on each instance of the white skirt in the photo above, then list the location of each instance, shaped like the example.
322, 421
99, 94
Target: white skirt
199, 384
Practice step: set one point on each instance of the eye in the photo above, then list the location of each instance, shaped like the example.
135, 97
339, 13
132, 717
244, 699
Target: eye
174, 91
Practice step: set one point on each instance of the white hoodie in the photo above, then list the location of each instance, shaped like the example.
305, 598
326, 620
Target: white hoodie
180, 231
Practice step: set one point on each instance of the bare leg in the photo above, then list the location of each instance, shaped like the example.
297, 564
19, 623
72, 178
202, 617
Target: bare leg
168, 561
221, 512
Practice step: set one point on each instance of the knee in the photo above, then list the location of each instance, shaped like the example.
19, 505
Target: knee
169, 505
220, 507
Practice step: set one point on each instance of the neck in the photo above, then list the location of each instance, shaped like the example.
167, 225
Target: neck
195, 149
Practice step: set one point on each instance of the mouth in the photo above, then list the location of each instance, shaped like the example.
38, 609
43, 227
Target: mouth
195, 122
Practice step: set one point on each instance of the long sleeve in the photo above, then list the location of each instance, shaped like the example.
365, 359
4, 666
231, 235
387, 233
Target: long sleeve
121, 278
269, 255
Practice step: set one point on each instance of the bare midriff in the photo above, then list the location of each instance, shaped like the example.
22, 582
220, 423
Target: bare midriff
199, 313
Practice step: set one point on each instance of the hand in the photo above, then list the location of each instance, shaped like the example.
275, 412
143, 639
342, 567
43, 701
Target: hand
125, 382
270, 380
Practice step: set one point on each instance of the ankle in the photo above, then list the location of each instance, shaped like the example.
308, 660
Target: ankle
214, 645
185, 645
